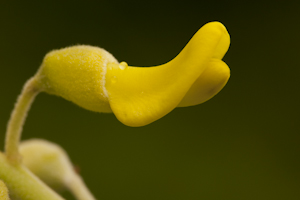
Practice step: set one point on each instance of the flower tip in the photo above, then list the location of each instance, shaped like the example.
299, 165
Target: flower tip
217, 25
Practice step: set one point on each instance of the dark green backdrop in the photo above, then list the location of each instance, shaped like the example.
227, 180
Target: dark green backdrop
242, 144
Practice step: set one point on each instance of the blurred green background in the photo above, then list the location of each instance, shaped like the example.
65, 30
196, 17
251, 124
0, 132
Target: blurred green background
242, 144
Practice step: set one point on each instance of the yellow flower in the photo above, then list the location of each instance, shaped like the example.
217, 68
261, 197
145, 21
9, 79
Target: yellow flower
93, 79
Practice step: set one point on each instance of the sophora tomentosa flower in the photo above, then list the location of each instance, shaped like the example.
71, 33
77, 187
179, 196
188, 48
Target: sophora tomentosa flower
93, 79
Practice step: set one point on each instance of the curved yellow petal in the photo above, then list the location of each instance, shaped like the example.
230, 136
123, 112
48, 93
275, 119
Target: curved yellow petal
211, 81
139, 95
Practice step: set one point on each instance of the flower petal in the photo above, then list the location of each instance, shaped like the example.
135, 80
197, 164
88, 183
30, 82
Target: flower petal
139, 95
211, 81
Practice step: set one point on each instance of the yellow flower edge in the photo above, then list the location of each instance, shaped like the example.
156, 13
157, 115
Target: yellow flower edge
93, 79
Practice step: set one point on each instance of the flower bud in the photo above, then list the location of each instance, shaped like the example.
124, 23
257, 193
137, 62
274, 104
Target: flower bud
51, 164
48, 161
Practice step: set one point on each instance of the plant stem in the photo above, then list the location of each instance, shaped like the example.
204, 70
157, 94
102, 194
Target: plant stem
79, 189
22, 184
17, 119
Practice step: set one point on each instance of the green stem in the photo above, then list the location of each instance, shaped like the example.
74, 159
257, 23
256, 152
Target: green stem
17, 119
79, 189
22, 184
